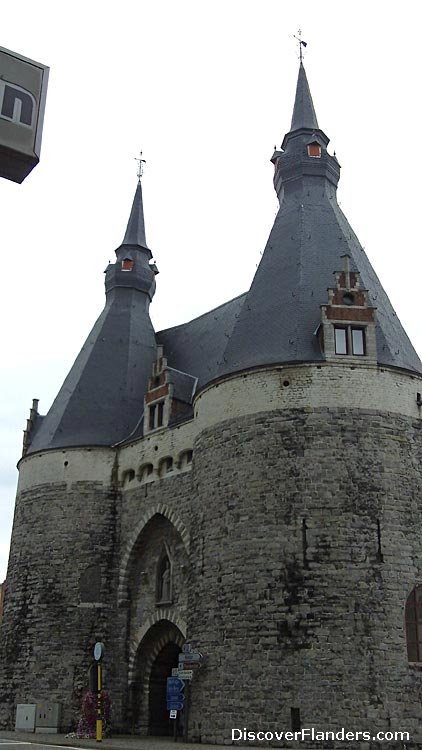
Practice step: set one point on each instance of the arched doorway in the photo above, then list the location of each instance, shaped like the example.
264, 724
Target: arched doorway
159, 722
156, 656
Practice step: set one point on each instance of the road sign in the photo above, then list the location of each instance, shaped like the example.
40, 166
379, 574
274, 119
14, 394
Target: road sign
98, 651
185, 674
191, 656
187, 648
173, 714
189, 665
175, 685
174, 705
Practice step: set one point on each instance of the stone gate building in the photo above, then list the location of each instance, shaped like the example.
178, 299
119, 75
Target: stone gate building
250, 481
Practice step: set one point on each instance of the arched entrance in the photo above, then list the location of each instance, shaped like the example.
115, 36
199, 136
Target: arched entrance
159, 721
156, 656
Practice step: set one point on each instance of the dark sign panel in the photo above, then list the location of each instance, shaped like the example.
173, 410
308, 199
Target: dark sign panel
23, 90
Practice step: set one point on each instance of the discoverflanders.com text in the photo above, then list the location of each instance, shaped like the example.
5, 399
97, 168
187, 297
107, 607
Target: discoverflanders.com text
307, 734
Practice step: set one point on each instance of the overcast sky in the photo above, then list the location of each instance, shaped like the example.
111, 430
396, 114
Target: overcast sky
206, 89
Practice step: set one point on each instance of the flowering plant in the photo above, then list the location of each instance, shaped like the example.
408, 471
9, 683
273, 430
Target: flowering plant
87, 725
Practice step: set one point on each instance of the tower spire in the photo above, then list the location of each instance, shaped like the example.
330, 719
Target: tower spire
304, 115
135, 230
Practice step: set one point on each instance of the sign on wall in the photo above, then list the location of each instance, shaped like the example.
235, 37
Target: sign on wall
23, 91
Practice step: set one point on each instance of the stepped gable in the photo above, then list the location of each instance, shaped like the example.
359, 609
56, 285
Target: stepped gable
282, 310
101, 401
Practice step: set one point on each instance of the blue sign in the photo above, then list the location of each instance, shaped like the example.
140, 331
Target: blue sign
175, 687
174, 705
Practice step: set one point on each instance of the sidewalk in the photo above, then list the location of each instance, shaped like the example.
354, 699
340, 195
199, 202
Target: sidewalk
120, 742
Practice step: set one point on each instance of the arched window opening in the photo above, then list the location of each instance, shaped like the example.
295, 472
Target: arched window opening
164, 579
185, 459
166, 466
145, 472
413, 616
127, 264
128, 476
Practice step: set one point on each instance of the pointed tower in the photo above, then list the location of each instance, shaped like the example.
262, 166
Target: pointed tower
281, 316
101, 400
308, 483
61, 582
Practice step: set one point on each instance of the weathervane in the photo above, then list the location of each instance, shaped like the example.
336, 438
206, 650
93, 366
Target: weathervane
141, 163
301, 43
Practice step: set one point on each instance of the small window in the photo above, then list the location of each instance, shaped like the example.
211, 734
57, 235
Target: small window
156, 415
358, 342
314, 149
349, 340
152, 417
166, 466
341, 340
185, 458
145, 472
128, 476
160, 414
413, 617
127, 264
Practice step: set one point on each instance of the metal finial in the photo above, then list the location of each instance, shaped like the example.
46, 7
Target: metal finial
301, 43
141, 163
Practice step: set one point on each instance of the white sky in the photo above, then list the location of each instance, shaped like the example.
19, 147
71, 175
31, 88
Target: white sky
206, 89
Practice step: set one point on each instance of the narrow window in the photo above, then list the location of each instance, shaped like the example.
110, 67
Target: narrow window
295, 719
127, 264
358, 341
152, 417
340, 340
160, 414
413, 617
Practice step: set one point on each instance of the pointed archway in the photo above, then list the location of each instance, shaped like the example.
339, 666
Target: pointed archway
159, 722
156, 656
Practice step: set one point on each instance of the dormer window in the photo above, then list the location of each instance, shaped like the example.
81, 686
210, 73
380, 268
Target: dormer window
349, 340
314, 150
127, 264
156, 415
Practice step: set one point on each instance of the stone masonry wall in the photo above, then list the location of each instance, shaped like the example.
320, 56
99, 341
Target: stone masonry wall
305, 543
61, 589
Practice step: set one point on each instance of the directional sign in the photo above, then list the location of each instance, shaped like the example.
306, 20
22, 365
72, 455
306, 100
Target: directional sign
192, 656
175, 685
185, 674
189, 665
174, 705
187, 648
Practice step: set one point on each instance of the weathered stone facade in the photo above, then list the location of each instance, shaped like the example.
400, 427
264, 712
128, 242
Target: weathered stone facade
294, 541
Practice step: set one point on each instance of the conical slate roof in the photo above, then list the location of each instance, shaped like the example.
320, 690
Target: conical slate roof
101, 401
303, 111
135, 230
310, 236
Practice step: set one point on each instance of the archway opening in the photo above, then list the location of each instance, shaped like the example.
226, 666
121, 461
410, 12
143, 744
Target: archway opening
159, 718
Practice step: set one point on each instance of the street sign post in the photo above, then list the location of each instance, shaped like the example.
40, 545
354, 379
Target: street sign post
185, 674
191, 656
